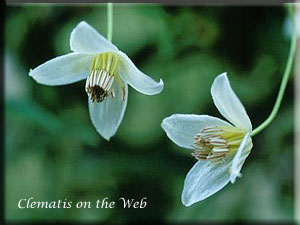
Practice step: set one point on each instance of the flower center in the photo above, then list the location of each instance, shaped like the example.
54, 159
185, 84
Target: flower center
99, 83
216, 142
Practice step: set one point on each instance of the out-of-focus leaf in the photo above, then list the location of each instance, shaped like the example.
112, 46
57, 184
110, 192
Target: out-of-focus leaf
194, 29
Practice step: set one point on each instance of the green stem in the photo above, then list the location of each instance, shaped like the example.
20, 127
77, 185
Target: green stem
284, 81
109, 21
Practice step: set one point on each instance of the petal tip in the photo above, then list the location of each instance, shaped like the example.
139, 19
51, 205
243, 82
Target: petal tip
221, 76
234, 175
186, 204
30, 72
164, 123
73, 33
107, 138
161, 84
35, 76
159, 87
81, 23
185, 201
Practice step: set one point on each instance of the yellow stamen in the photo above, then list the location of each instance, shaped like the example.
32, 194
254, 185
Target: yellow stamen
215, 143
103, 73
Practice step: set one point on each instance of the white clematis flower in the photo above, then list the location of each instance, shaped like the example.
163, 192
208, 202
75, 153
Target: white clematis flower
107, 72
220, 147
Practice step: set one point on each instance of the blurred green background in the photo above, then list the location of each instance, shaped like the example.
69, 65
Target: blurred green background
52, 150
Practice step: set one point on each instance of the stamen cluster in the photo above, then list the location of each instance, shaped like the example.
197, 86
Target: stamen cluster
215, 143
99, 84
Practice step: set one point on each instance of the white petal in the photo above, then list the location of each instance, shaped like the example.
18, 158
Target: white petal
136, 79
228, 103
203, 180
240, 157
182, 128
106, 116
64, 69
85, 39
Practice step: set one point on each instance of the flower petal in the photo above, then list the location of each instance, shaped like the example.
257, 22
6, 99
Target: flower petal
228, 103
106, 116
182, 128
203, 180
240, 157
63, 69
136, 79
85, 39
